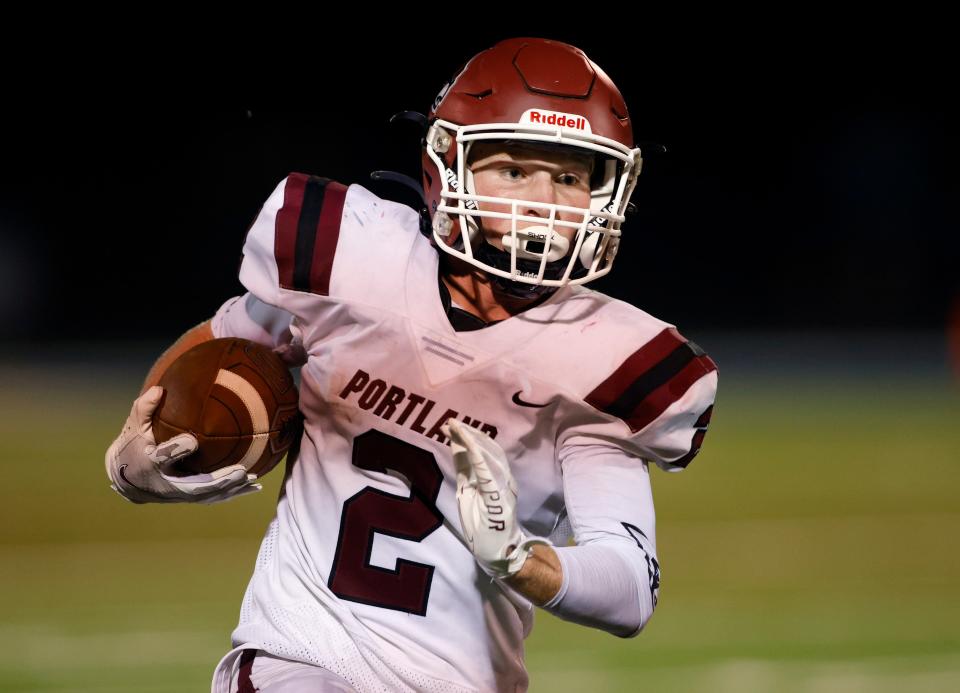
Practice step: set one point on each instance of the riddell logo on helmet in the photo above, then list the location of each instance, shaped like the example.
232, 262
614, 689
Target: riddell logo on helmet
565, 120
455, 186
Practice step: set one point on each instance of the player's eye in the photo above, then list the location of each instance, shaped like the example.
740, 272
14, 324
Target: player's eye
513, 173
570, 179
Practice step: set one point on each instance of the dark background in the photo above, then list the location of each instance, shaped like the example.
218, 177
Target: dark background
811, 182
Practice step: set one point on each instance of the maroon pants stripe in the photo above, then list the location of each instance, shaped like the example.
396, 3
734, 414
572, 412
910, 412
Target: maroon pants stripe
244, 684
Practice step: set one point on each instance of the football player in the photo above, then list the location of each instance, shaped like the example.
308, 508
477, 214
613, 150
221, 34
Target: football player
479, 426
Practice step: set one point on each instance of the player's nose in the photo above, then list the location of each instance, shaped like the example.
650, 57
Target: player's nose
540, 189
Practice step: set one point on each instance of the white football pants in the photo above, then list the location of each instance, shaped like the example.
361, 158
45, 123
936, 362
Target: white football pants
246, 670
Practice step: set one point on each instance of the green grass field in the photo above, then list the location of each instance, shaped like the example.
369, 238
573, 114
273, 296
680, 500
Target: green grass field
813, 546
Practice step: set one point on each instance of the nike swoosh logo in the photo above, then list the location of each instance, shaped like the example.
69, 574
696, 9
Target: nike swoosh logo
520, 402
124, 477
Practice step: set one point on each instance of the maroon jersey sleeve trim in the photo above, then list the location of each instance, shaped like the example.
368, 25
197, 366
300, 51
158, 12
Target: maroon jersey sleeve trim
651, 379
657, 401
698, 437
327, 235
640, 361
307, 231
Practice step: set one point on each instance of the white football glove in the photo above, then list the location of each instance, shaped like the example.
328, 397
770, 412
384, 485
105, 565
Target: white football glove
487, 498
137, 466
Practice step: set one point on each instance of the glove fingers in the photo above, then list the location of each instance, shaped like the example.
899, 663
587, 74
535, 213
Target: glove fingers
480, 461
481, 472
237, 471
490, 449
493, 465
220, 480
474, 457
143, 408
454, 431
489, 457
487, 461
223, 479
458, 445
167, 453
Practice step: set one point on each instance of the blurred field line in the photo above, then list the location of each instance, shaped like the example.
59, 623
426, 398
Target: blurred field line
175, 544
876, 674
793, 521
928, 661
35, 647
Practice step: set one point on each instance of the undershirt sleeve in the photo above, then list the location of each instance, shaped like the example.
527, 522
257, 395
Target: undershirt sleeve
248, 317
611, 576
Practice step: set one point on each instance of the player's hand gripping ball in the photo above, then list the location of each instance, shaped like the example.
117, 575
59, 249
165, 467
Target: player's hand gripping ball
237, 398
138, 468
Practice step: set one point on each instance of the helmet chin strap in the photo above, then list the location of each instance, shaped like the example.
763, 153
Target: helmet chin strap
500, 260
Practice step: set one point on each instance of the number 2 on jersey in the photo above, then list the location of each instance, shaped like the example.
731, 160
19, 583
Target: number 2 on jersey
373, 511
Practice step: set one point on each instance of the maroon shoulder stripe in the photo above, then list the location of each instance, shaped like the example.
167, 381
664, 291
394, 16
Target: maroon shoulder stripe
651, 379
328, 233
285, 229
307, 231
639, 362
244, 684
657, 401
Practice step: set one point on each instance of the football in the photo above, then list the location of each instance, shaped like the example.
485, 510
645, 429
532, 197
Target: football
237, 398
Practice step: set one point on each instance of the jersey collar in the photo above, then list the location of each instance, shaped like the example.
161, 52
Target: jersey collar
460, 320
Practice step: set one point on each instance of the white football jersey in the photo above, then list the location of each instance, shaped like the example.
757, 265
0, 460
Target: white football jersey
364, 570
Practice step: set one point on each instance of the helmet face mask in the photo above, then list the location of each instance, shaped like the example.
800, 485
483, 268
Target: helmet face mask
545, 245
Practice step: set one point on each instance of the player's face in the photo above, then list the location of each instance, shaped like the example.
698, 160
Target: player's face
529, 173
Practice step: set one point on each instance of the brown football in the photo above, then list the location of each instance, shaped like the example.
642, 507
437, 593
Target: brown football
237, 398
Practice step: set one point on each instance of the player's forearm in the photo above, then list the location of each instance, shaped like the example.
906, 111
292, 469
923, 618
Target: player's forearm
605, 586
191, 338
540, 577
